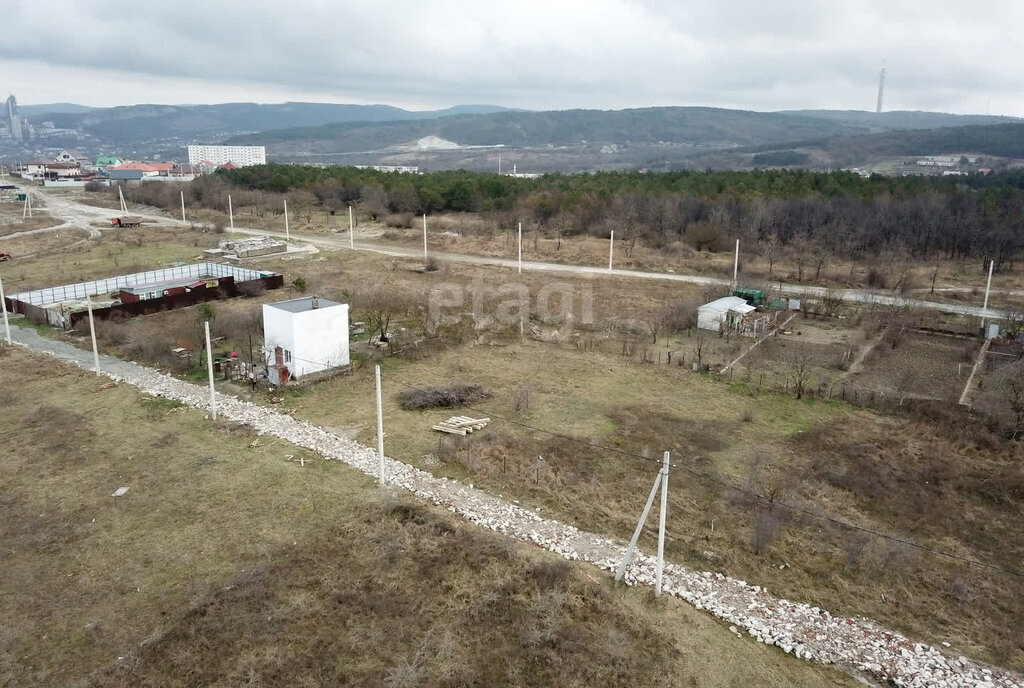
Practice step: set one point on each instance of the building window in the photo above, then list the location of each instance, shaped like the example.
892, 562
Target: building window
287, 356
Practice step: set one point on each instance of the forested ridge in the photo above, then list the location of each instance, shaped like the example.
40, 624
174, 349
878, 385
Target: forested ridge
841, 213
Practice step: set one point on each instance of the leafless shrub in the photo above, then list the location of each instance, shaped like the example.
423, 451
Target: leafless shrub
407, 673
876, 278
403, 221
853, 545
522, 399
432, 264
768, 523
679, 315
550, 573
441, 397
831, 303
111, 331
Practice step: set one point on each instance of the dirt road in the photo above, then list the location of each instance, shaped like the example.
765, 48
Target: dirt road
79, 214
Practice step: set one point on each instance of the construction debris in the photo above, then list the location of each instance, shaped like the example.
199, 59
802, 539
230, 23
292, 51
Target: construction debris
247, 248
462, 425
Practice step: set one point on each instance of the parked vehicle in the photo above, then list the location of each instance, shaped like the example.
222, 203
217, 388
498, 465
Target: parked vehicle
126, 221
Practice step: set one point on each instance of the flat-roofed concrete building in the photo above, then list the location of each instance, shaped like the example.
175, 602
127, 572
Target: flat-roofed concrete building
304, 336
239, 156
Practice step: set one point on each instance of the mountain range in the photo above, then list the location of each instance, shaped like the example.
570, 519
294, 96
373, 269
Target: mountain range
471, 136
134, 124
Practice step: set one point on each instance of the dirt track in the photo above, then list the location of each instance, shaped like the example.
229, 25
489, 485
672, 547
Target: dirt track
81, 215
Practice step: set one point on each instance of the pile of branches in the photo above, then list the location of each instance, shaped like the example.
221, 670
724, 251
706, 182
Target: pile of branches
441, 397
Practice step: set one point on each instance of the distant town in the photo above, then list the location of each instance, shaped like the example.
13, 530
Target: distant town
71, 168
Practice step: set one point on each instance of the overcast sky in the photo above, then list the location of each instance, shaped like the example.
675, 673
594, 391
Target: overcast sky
945, 55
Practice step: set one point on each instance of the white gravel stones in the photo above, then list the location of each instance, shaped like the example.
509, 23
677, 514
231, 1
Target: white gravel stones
805, 631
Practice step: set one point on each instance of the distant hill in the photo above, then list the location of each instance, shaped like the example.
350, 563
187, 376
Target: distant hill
561, 140
34, 111
900, 119
134, 124
1002, 140
694, 127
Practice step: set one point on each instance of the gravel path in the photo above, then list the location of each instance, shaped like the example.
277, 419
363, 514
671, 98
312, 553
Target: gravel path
803, 630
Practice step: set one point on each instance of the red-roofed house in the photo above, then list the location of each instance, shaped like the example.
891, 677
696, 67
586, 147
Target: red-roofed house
148, 169
227, 166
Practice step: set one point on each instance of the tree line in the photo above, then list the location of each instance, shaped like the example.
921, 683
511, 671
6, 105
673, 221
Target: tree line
839, 214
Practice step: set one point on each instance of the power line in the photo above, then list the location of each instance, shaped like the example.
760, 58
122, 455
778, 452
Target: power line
750, 493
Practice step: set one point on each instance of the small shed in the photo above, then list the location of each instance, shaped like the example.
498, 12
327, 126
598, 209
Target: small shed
726, 312
304, 336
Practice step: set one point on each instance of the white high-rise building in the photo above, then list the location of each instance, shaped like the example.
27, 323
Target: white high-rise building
239, 156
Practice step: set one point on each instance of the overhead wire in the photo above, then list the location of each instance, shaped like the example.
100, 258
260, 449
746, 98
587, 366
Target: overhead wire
736, 488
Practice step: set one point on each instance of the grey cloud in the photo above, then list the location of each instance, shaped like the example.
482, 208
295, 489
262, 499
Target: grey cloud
944, 54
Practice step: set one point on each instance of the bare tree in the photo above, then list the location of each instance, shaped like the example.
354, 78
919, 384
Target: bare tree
821, 257
699, 347
381, 306
831, 303
1014, 321
798, 369
770, 251
802, 250
1015, 397
655, 322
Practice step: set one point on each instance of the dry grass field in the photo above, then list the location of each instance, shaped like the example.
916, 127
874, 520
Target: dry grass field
473, 234
938, 478
231, 565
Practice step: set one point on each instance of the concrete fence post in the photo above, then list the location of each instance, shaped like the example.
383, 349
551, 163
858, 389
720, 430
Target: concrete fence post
3, 302
92, 335
209, 369
621, 571
661, 524
380, 429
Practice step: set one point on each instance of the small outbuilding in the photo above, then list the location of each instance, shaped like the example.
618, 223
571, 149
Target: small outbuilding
304, 336
727, 312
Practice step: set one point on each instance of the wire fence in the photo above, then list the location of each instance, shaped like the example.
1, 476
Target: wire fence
754, 497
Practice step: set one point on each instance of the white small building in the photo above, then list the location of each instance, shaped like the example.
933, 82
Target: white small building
303, 336
727, 312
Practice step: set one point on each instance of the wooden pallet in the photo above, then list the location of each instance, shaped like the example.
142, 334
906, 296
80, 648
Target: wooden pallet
461, 425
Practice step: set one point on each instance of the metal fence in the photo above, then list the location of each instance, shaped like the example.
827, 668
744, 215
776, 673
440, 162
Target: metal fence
79, 291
